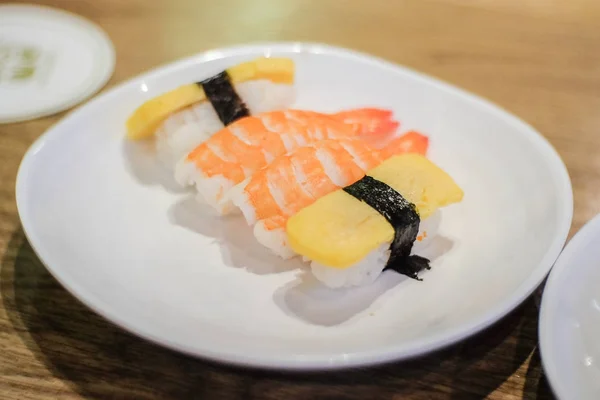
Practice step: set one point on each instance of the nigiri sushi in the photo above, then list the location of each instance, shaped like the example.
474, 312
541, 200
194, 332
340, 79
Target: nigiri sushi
352, 234
181, 119
242, 148
296, 179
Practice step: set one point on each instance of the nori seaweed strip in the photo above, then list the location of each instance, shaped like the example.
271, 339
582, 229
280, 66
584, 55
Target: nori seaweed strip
403, 217
224, 99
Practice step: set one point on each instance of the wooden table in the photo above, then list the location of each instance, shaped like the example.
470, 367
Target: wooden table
540, 59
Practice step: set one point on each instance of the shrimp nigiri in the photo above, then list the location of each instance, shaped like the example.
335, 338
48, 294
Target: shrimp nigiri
242, 148
297, 179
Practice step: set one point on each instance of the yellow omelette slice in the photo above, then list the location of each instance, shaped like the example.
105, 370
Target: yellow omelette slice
146, 118
339, 230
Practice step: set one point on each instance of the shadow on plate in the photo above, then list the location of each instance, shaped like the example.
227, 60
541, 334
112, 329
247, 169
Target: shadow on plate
142, 163
99, 360
306, 298
232, 233
239, 248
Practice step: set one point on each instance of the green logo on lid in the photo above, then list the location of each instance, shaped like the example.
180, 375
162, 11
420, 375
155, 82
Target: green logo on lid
21, 63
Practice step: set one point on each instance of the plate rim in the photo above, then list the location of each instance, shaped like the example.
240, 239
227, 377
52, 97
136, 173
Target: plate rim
552, 288
315, 362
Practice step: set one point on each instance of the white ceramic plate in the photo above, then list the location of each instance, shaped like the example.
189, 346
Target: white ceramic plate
50, 60
111, 228
569, 326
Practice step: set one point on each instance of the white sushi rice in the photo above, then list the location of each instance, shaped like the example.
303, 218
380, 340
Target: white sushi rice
210, 190
263, 95
184, 130
181, 132
361, 273
275, 240
239, 199
369, 268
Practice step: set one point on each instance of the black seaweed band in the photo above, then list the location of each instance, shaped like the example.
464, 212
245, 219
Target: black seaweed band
403, 217
224, 99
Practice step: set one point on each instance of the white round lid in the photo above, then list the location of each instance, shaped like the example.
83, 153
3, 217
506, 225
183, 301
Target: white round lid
50, 60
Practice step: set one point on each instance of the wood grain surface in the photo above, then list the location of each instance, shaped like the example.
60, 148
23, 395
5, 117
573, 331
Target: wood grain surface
539, 59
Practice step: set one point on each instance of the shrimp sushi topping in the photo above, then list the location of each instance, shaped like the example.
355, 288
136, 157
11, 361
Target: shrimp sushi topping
295, 180
238, 151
